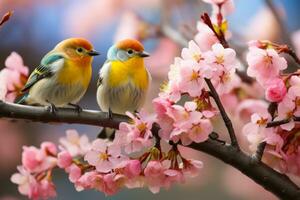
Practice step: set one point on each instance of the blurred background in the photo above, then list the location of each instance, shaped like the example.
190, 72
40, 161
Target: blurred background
38, 25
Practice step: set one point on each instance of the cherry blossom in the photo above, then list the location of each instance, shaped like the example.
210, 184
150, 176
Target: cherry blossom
136, 136
275, 90
13, 77
75, 144
264, 65
104, 155
205, 37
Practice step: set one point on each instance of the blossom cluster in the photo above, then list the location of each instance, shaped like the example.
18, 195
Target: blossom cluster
34, 176
13, 77
266, 65
102, 165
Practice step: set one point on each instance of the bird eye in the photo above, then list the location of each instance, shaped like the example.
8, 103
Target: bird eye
80, 50
130, 51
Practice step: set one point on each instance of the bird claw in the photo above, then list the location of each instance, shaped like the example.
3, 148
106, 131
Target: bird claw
52, 108
110, 114
76, 107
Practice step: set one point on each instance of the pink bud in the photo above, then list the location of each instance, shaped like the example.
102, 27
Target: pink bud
49, 148
74, 173
276, 90
31, 158
64, 159
133, 168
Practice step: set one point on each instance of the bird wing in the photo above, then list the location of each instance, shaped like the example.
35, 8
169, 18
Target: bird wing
103, 72
44, 70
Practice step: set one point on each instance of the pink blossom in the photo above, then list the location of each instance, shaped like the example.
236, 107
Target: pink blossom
154, 175
173, 176
30, 186
191, 167
104, 155
112, 183
137, 135
38, 160
205, 37
74, 172
162, 106
192, 77
13, 77
132, 168
226, 9
193, 52
73, 143
188, 124
256, 131
221, 59
172, 88
275, 90
264, 65
286, 110
90, 180
64, 159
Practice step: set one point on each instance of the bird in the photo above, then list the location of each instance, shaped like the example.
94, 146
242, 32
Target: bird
123, 80
62, 77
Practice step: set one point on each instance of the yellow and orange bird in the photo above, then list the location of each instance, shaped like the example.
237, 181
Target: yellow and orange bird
63, 75
123, 79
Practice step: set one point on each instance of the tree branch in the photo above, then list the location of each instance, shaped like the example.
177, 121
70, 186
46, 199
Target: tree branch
63, 115
224, 115
259, 152
271, 180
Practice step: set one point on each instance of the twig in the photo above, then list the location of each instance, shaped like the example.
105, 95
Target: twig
224, 115
270, 179
259, 152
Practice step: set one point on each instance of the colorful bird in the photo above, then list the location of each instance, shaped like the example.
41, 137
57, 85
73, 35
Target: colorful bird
62, 77
123, 79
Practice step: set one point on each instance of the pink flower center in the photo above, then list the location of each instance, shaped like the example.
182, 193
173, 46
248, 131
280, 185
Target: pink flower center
268, 60
196, 129
194, 76
197, 57
219, 60
262, 121
103, 156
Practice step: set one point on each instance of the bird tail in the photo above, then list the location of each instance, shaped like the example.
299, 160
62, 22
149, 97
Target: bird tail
21, 99
107, 133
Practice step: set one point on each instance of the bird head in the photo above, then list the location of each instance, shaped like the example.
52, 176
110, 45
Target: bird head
77, 49
125, 50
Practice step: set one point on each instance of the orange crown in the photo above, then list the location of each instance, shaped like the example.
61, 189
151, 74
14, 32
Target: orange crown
130, 44
75, 42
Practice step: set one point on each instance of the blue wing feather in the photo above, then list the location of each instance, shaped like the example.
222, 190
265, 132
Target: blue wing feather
42, 71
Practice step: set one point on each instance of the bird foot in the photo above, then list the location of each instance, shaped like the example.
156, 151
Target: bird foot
76, 107
110, 114
52, 108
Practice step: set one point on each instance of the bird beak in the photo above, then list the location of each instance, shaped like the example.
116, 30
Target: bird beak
93, 53
144, 54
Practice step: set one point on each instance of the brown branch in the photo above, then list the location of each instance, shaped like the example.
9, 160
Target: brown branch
270, 179
63, 115
6, 17
259, 152
224, 115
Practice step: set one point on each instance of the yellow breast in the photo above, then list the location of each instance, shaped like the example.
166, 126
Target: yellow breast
132, 70
75, 72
